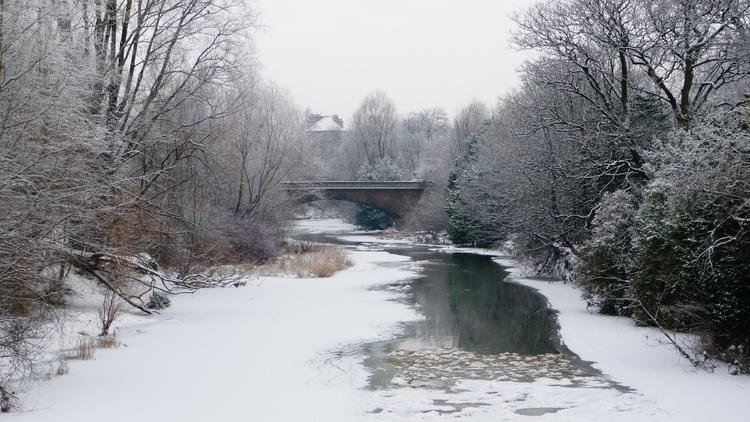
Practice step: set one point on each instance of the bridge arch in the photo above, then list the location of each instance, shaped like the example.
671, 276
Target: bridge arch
395, 198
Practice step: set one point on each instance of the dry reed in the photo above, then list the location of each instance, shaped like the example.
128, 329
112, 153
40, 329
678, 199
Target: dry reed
322, 261
85, 348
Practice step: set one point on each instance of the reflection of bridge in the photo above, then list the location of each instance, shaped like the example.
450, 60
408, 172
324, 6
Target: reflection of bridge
395, 198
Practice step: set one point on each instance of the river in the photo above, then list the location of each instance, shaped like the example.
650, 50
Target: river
476, 326
408, 333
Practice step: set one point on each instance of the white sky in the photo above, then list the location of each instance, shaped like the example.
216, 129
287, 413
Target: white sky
423, 53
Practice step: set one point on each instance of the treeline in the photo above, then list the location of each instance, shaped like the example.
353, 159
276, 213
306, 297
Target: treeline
623, 162
131, 133
379, 144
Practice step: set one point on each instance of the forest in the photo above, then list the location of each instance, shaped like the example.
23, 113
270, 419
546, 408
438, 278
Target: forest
138, 135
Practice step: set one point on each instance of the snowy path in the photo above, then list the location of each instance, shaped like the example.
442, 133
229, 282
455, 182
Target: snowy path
284, 349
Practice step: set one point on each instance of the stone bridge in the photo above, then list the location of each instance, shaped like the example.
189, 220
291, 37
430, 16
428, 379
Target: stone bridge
395, 198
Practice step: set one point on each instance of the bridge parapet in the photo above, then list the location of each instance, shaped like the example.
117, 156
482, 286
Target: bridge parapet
397, 185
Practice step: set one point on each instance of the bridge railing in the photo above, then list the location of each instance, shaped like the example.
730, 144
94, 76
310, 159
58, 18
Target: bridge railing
397, 185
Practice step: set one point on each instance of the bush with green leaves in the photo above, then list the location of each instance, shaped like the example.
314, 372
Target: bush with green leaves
475, 215
158, 301
603, 273
691, 251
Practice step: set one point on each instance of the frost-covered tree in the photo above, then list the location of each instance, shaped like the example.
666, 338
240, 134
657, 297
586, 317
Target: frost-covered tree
53, 182
468, 120
604, 270
428, 150
374, 127
105, 138
691, 264
421, 134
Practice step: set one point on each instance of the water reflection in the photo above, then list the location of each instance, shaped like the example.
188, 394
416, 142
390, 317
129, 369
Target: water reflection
468, 306
476, 327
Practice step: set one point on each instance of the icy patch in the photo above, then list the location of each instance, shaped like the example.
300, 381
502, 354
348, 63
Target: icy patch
443, 368
493, 400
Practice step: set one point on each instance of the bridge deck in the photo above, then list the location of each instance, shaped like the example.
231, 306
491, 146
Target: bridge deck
354, 185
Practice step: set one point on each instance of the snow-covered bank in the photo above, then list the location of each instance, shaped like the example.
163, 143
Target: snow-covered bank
640, 358
279, 349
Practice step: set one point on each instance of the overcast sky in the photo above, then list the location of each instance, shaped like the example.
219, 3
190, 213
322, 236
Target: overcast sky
423, 53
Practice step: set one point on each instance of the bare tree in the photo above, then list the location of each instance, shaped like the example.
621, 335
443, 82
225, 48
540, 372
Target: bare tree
689, 49
373, 126
47, 185
265, 144
421, 132
105, 111
685, 48
468, 119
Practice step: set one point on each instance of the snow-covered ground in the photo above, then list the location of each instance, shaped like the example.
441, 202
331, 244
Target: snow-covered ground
641, 358
278, 349
286, 349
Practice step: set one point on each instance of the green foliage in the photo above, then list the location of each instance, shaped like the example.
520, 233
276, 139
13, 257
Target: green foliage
460, 212
691, 260
666, 282
603, 273
372, 218
475, 214
475, 206
158, 301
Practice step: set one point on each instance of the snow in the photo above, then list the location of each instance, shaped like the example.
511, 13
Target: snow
286, 349
326, 124
277, 349
640, 358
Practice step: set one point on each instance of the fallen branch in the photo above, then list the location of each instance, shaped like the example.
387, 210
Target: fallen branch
117, 291
135, 267
672, 339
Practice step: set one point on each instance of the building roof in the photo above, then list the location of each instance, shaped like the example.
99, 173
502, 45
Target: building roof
327, 124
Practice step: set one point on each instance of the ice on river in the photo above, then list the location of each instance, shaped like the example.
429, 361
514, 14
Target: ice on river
286, 349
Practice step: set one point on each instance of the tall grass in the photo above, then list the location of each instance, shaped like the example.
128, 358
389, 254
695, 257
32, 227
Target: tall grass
321, 261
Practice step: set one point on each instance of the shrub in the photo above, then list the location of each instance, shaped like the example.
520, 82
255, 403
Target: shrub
250, 239
109, 311
327, 261
62, 367
691, 261
372, 218
158, 301
603, 273
107, 342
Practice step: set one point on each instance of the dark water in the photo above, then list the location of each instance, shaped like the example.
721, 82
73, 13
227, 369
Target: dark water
469, 306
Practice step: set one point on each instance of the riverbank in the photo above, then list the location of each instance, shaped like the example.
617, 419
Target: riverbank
294, 349
642, 358
638, 358
277, 349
